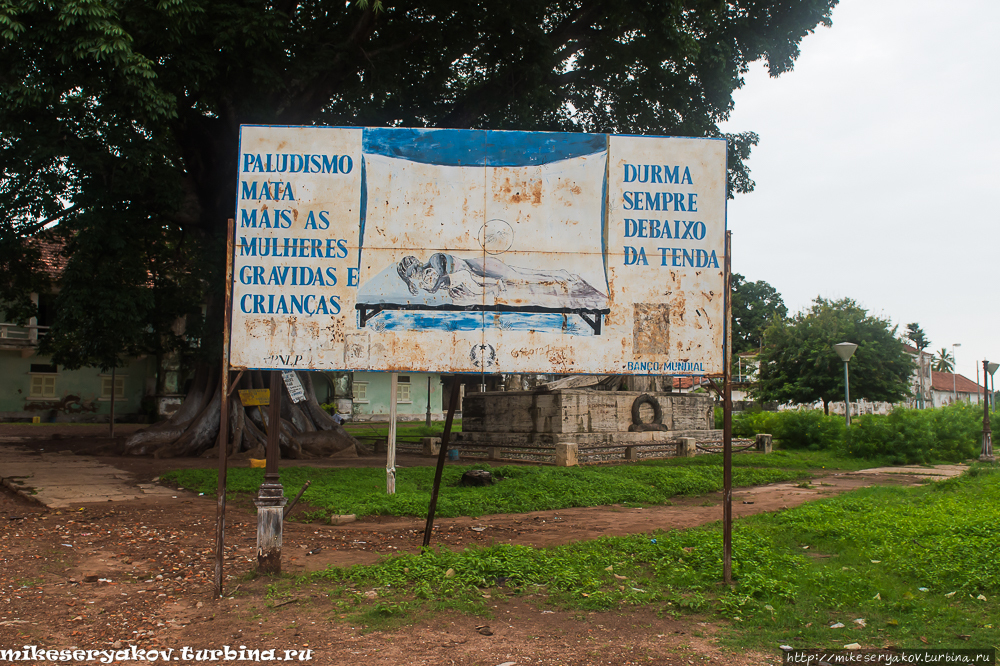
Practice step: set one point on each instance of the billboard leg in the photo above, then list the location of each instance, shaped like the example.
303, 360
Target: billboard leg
727, 429
271, 496
445, 436
220, 510
390, 456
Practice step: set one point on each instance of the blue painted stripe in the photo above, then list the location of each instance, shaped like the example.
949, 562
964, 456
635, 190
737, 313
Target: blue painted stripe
450, 147
604, 218
364, 210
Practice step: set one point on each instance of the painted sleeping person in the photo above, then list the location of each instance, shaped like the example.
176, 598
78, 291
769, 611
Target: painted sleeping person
479, 276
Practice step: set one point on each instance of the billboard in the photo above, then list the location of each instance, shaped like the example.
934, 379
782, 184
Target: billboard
437, 250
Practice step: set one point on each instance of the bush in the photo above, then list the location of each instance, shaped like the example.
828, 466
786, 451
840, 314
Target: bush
753, 422
808, 429
913, 436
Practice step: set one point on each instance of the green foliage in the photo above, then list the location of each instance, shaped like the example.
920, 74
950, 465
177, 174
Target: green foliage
798, 364
749, 423
793, 429
944, 361
520, 489
120, 120
916, 335
907, 436
808, 428
755, 305
405, 432
912, 562
902, 437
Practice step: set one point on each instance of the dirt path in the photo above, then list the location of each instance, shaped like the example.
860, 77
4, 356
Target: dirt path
150, 563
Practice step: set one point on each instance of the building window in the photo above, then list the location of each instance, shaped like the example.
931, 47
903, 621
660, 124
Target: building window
43, 386
403, 389
360, 392
106, 387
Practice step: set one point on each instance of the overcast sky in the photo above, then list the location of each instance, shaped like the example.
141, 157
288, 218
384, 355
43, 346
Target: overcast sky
877, 170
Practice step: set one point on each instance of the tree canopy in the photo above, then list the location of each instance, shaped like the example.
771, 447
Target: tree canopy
798, 363
755, 305
944, 360
916, 335
119, 119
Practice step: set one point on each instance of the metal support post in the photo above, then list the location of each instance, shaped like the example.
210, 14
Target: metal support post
727, 426
847, 394
445, 436
220, 510
271, 496
986, 455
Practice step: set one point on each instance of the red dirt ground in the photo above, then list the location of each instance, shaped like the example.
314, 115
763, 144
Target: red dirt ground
152, 560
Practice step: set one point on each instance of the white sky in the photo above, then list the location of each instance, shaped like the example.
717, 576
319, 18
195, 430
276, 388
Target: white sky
877, 167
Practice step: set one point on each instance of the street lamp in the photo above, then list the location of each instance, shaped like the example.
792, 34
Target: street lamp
954, 371
991, 368
845, 350
986, 455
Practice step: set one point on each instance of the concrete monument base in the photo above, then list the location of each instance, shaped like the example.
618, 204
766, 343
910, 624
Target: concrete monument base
570, 426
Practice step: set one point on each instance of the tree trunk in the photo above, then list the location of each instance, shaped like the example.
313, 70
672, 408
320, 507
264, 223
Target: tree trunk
305, 430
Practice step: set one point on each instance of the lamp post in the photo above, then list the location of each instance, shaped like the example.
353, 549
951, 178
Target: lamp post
991, 382
954, 372
986, 455
845, 350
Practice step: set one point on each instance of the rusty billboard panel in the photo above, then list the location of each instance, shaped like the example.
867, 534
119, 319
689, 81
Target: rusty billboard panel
471, 251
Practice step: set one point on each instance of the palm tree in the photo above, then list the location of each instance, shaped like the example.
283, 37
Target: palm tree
944, 361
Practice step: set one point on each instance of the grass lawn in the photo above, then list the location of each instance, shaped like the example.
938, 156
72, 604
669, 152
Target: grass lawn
520, 488
368, 432
916, 565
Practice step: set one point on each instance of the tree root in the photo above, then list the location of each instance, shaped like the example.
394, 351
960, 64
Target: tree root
305, 429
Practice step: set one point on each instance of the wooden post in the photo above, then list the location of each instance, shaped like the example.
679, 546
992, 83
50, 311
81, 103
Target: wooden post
390, 457
220, 510
445, 436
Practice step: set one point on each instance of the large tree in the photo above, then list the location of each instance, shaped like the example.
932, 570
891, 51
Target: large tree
755, 305
798, 363
119, 119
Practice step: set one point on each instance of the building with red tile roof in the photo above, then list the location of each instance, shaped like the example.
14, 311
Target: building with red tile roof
947, 387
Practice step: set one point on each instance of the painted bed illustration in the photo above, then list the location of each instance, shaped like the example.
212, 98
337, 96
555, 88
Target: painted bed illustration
490, 204
493, 289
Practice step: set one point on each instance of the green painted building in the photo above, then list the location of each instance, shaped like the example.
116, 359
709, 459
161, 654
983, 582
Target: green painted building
33, 386
370, 396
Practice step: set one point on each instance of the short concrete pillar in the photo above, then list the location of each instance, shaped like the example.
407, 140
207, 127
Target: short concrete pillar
686, 447
566, 454
493, 453
763, 443
270, 516
631, 453
432, 445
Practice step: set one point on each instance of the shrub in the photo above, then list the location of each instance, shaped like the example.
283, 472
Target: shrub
914, 436
752, 422
808, 429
